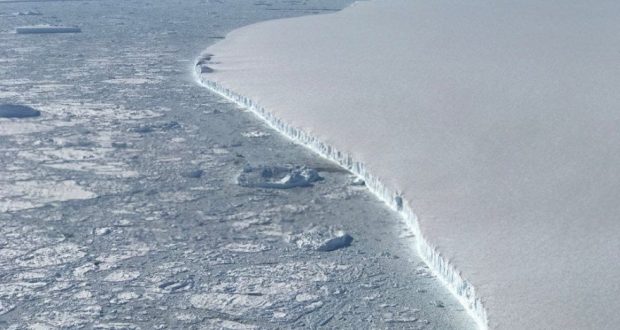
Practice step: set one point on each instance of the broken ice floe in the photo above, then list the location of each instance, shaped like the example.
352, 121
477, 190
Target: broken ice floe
321, 239
277, 177
255, 134
17, 111
27, 13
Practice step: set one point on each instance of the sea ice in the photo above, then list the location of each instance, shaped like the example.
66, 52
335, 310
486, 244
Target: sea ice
277, 177
492, 126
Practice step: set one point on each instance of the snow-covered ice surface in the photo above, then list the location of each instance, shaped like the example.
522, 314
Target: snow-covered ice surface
120, 205
494, 126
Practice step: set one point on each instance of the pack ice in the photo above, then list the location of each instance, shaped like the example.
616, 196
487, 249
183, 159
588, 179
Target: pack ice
493, 126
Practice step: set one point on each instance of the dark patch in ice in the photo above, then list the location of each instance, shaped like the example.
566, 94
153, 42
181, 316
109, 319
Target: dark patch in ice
192, 174
206, 58
277, 177
17, 111
47, 29
399, 202
336, 243
202, 64
177, 286
161, 126
205, 69
119, 145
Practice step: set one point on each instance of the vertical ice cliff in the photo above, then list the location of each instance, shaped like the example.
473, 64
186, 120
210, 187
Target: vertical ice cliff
491, 126
446, 272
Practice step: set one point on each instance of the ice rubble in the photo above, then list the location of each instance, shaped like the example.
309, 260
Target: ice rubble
277, 177
497, 126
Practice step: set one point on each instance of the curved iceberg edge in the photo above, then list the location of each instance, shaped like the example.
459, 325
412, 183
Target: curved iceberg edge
442, 268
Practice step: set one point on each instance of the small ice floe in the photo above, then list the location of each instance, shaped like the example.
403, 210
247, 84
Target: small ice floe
47, 29
122, 276
277, 177
321, 239
192, 174
17, 111
27, 13
102, 231
357, 181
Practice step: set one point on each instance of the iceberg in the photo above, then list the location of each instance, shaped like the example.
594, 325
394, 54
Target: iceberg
492, 127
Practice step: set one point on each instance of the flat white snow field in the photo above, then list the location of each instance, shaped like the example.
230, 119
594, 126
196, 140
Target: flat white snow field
498, 122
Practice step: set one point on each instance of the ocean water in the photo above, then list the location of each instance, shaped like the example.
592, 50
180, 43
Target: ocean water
120, 206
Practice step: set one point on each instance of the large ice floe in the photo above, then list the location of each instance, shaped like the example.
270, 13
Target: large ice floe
493, 127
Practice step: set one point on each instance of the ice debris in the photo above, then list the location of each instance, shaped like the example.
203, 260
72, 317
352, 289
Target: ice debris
323, 239
27, 13
277, 177
17, 111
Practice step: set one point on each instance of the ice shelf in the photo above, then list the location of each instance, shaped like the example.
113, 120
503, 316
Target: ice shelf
491, 126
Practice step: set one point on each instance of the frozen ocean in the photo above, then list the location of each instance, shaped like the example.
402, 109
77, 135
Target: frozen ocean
492, 126
133, 198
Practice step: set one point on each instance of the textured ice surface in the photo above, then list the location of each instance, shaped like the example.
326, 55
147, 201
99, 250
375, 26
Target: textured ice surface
491, 125
143, 247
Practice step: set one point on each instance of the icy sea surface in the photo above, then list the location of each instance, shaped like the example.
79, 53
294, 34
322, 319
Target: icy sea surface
138, 200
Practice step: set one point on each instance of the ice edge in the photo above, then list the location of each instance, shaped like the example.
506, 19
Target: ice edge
446, 272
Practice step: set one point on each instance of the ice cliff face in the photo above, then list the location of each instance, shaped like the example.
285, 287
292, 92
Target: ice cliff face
446, 272
495, 123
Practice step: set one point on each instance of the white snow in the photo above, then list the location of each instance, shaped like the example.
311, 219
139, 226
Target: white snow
493, 126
